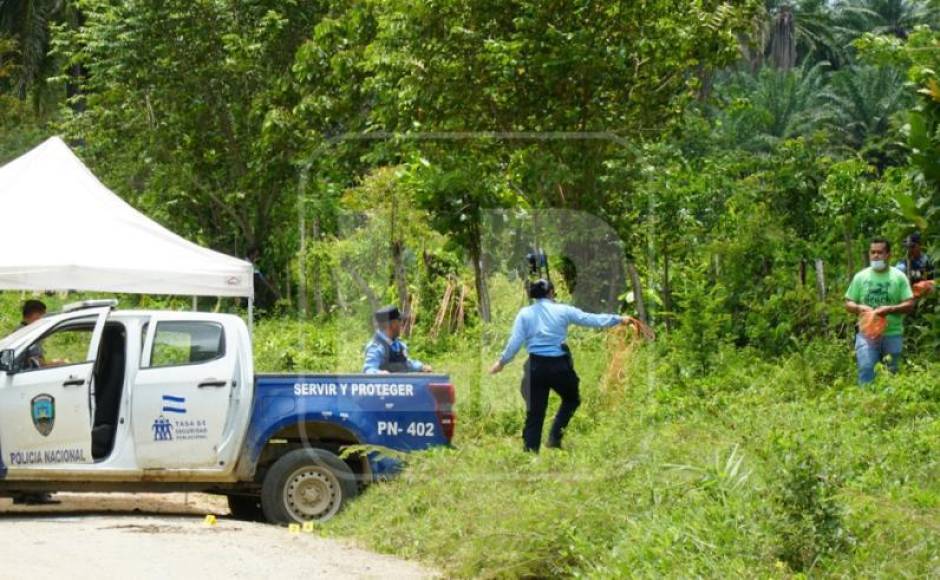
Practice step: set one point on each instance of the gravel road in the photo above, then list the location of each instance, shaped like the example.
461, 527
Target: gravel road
166, 537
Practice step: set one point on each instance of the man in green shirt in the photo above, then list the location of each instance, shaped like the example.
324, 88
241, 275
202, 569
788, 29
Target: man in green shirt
886, 292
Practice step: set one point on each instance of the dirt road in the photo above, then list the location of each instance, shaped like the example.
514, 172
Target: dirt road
165, 536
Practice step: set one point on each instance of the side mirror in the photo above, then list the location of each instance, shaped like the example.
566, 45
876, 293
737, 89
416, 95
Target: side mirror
7, 361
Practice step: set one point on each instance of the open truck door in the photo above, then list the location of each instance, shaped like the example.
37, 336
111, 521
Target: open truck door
46, 403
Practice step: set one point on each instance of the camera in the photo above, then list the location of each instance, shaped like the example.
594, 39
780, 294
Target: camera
538, 262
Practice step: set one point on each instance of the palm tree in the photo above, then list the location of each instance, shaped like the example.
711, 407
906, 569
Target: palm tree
787, 32
865, 99
776, 105
896, 17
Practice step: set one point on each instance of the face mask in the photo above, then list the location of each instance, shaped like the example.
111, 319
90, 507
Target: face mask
878, 265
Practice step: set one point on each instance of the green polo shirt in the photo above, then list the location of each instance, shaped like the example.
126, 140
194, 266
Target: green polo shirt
886, 288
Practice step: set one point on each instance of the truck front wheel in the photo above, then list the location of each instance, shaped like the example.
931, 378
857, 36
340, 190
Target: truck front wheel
306, 485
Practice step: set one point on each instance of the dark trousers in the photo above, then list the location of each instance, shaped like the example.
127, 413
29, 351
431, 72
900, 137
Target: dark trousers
544, 374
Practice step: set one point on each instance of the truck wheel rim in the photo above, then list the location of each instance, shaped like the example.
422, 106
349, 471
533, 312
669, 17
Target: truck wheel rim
312, 493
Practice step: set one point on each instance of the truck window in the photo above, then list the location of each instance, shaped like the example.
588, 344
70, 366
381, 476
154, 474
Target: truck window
65, 345
184, 343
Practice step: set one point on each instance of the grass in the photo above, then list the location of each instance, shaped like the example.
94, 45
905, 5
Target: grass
763, 468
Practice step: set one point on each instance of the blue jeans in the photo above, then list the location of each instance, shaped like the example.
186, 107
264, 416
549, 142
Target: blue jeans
869, 352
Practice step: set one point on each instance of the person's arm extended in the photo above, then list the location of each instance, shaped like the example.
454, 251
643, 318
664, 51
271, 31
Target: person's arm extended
854, 308
374, 354
516, 338
581, 318
905, 307
415, 365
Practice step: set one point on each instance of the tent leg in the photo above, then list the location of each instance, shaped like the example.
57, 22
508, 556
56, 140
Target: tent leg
195, 304
251, 315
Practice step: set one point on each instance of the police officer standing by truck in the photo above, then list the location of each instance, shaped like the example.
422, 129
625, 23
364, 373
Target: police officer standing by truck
543, 327
385, 353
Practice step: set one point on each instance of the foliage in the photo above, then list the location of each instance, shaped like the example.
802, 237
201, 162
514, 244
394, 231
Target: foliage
765, 467
210, 152
357, 150
773, 106
29, 23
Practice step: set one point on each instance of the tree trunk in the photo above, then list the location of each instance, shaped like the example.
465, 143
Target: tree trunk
77, 73
401, 283
849, 256
821, 292
364, 287
667, 291
302, 265
398, 266
483, 298
287, 285
637, 292
820, 281
317, 283
340, 296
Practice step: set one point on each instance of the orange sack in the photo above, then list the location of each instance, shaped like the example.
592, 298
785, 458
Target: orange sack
923, 288
872, 325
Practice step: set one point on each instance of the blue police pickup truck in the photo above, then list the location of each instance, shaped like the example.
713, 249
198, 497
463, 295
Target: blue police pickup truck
94, 399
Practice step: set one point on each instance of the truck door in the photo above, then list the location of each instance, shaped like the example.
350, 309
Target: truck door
45, 405
181, 397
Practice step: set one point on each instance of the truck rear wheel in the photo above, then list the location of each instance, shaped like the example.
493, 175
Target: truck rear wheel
246, 508
306, 485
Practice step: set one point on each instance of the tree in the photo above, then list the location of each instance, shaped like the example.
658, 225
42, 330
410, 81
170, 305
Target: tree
30, 23
918, 54
189, 113
511, 84
894, 17
787, 33
776, 105
865, 100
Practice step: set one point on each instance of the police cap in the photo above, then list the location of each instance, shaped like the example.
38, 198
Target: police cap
387, 314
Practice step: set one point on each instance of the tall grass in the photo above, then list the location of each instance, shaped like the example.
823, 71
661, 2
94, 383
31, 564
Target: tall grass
763, 468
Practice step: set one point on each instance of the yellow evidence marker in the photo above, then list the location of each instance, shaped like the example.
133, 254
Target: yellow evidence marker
209, 521
308, 527
293, 528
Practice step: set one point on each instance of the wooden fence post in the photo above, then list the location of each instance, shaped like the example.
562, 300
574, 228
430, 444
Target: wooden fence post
821, 291
820, 280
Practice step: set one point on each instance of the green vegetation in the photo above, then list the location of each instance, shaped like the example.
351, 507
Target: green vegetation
764, 466
370, 151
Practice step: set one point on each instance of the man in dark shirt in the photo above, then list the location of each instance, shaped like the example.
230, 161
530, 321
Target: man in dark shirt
33, 310
917, 266
385, 353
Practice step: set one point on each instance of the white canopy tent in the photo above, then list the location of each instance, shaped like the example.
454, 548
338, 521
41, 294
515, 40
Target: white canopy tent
61, 228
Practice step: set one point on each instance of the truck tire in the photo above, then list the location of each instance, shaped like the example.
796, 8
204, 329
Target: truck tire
246, 508
306, 485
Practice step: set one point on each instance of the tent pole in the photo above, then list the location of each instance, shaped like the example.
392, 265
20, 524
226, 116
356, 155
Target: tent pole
195, 304
251, 315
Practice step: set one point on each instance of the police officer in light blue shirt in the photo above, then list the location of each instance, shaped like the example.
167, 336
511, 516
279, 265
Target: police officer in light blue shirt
543, 327
385, 353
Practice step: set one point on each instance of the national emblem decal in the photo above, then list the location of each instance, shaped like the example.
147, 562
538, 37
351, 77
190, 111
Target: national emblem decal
42, 408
